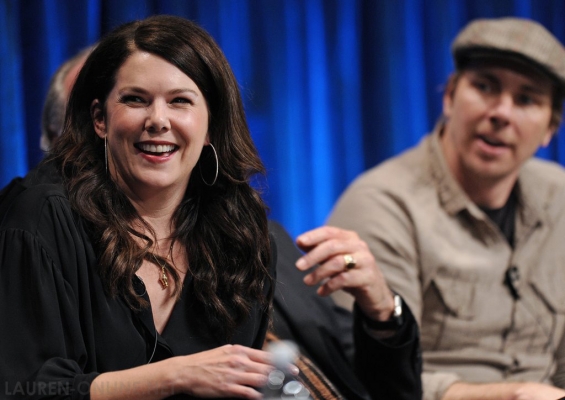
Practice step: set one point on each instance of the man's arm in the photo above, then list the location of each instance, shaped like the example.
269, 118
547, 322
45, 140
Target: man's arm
328, 252
379, 357
502, 391
385, 224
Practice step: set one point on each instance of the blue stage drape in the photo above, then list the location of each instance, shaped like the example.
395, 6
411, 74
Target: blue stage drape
331, 87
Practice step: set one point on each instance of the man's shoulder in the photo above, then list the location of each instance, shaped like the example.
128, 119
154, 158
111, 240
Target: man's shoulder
397, 173
548, 172
542, 178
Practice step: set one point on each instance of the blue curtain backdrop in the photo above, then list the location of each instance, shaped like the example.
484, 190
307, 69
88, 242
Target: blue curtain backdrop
331, 87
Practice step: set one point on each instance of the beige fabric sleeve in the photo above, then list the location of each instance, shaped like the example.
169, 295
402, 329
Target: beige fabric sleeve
435, 384
383, 221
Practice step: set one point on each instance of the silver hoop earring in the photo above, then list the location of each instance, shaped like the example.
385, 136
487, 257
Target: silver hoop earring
217, 168
106, 153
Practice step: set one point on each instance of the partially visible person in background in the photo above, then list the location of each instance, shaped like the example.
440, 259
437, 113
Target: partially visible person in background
468, 226
60, 85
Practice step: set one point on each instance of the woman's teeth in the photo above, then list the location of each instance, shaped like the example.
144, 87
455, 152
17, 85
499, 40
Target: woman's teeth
152, 148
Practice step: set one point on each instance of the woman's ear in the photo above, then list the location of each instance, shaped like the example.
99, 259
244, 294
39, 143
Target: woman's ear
98, 119
207, 140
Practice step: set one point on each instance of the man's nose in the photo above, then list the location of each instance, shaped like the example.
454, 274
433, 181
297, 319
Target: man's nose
501, 110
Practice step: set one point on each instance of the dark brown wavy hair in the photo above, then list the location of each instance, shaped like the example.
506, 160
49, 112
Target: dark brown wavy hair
223, 227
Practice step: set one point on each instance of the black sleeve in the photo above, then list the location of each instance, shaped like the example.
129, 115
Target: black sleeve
397, 359
292, 291
42, 351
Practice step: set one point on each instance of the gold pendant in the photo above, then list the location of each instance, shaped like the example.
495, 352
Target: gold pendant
164, 279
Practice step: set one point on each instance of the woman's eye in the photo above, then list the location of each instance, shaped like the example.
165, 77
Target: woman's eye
131, 99
181, 100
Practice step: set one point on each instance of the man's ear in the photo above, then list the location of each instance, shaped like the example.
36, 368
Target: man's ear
98, 118
448, 95
548, 136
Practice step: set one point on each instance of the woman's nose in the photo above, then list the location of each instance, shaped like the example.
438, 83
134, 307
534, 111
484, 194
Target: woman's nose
157, 119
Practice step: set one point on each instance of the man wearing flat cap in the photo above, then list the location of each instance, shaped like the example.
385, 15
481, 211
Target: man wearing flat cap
468, 227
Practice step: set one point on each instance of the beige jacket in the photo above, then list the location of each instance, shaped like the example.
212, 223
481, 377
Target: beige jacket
448, 261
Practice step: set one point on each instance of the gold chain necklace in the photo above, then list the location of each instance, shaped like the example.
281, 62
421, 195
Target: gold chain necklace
164, 279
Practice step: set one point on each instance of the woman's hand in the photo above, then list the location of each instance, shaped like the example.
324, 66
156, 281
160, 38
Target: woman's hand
327, 247
227, 371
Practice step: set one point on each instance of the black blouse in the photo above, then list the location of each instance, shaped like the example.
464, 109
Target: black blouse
59, 329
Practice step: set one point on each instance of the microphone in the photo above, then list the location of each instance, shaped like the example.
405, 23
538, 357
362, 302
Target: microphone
512, 280
281, 384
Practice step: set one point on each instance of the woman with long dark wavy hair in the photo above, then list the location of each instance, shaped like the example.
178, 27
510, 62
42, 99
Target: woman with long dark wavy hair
135, 262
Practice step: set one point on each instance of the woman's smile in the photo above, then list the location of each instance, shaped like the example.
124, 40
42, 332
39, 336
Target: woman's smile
156, 149
155, 123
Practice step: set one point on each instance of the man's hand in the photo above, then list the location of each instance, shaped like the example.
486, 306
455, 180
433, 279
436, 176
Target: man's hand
328, 249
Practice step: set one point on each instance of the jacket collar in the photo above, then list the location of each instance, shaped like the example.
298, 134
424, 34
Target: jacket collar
531, 206
452, 197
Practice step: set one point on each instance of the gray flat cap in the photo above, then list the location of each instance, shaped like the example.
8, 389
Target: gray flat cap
516, 38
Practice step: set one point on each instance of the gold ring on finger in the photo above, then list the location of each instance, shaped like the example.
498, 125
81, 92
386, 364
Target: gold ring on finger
349, 262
